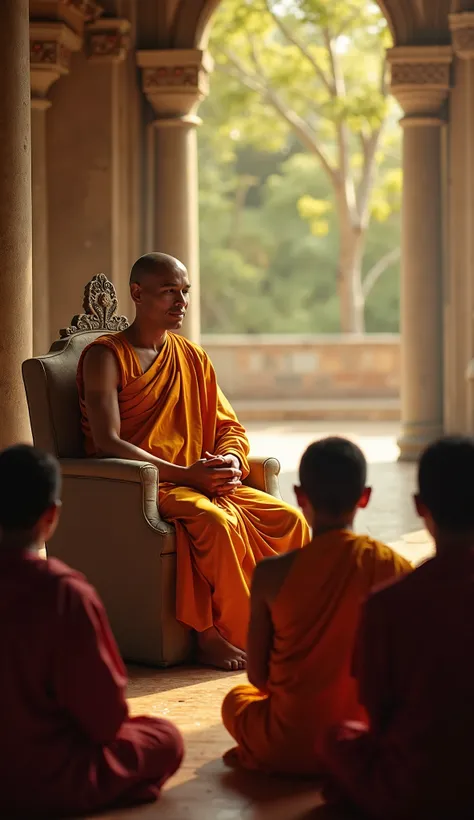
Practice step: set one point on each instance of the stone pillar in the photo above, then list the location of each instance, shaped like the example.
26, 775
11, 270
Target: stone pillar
50, 52
15, 219
420, 83
460, 296
88, 155
175, 82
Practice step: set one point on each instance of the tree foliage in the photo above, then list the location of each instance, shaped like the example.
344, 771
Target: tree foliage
300, 166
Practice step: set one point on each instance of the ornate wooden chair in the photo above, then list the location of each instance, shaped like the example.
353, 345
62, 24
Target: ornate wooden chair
111, 529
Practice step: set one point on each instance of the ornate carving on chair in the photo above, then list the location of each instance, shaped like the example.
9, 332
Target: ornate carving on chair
111, 529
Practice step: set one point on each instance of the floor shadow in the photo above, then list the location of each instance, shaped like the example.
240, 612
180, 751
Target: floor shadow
260, 788
146, 680
331, 813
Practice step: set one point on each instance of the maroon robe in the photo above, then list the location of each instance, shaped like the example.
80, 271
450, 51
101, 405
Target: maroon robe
415, 667
69, 745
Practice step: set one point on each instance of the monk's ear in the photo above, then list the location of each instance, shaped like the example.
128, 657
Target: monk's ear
301, 497
420, 507
136, 292
365, 498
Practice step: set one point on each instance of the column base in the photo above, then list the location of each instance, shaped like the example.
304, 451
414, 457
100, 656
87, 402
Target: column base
415, 438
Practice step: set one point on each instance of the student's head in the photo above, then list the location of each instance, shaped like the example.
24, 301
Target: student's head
333, 475
445, 497
30, 488
159, 287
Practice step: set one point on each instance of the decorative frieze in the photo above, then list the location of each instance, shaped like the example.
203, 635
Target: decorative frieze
462, 32
421, 79
108, 40
89, 9
51, 46
175, 81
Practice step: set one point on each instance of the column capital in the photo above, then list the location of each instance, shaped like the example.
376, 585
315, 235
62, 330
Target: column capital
74, 13
51, 46
421, 80
175, 81
108, 40
462, 32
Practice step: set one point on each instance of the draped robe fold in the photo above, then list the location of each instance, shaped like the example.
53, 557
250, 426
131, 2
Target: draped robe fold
176, 411
310, 686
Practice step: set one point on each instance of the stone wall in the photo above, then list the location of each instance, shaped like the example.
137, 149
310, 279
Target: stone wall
309, 376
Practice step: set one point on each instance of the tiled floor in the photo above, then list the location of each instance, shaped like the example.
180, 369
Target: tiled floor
205, 789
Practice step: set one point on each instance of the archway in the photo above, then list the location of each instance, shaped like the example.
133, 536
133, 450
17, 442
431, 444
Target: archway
421, 82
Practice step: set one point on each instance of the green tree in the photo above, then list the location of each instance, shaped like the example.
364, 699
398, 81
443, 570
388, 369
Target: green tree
316, 72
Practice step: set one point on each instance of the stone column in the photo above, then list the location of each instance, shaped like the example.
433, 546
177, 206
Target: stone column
420, 83
175, 82
15, 219
460, 301
50, 52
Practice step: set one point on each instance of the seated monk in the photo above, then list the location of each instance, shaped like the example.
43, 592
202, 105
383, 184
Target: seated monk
150, 394
69, 745
415, 666
304, 613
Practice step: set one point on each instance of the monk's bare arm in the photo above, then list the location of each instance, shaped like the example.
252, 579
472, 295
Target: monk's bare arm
101, 381
268, 579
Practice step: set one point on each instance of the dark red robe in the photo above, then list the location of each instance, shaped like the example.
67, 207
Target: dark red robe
68, 743
415, 667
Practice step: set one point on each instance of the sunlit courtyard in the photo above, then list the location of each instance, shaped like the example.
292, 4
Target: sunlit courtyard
205, 787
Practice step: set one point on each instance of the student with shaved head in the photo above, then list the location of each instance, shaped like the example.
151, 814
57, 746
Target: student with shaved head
304, 613
414, 666
69, 746
150, 394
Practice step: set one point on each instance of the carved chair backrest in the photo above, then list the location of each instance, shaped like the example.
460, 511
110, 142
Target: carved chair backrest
50, 380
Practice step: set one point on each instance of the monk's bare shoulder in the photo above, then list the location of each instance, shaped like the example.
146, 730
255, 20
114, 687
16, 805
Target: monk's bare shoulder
100, 367
271, 573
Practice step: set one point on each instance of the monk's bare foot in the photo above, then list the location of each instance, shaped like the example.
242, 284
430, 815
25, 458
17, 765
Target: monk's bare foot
214, 650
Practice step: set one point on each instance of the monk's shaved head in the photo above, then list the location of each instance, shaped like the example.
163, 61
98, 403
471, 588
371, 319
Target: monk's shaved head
446, 484
333, 474
153, 264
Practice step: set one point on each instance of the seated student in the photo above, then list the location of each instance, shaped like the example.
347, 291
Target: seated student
415, 666
304, 614
69, 746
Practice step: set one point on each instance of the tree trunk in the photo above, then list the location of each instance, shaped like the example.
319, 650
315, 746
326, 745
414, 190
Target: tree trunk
349, 281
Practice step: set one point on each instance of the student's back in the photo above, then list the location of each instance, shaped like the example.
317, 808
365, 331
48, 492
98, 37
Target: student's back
69, 746
425, 692
42, 662
312, 598
415, 666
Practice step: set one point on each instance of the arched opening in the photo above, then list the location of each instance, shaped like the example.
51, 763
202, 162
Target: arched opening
300, 171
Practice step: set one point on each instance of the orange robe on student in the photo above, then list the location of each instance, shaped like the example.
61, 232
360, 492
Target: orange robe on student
176, 411
310, 687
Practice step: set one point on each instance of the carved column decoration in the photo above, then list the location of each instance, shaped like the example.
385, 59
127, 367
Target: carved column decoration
462, 31
108, 39
51, 46
421, 79
175, 83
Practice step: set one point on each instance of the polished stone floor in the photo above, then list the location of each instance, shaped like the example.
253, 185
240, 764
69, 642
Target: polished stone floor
205, 789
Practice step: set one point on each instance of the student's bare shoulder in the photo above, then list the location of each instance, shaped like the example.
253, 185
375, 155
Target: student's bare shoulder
270, 574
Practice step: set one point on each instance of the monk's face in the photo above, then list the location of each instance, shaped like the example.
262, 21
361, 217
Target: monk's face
162, 298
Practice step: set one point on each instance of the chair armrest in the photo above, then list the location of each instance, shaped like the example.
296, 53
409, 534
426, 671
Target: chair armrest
264, 474
122, 470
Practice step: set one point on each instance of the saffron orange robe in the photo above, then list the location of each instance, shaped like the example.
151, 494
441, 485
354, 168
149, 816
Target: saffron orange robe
310, 686
176, 411
415, 669
69, 746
